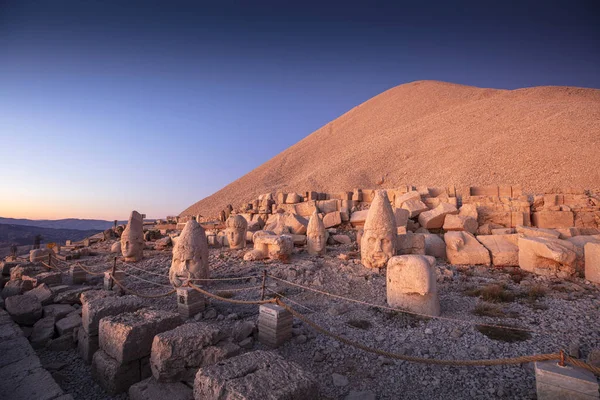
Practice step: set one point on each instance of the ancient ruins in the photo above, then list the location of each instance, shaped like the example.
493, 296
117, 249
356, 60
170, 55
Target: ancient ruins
194, 307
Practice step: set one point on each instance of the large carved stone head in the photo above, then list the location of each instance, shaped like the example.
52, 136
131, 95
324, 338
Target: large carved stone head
378, 242
132, 238
236, 227
190, 255
316, 235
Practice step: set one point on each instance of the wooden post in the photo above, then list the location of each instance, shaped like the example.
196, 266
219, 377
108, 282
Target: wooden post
114, 269
264, 280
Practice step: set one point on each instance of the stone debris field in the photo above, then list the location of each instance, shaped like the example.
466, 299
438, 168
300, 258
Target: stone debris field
366, 294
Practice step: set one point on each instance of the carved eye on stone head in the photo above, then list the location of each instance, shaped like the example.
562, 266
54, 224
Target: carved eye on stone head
372, 240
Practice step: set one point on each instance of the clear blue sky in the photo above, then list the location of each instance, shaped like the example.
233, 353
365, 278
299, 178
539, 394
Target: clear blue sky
109, 106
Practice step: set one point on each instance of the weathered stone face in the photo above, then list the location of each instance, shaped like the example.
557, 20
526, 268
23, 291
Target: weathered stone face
236, 227
378, 242
132, 238
316, 236
190, 255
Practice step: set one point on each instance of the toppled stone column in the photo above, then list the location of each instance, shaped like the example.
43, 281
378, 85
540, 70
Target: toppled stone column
379, 239
411, 284
132, 238
236, 227
190, 255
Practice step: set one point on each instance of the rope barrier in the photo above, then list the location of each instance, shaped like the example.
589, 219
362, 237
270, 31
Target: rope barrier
145, 280
145, 296
88, 271
192, 280
483, 362
239, 289
290, 300
400, 310
214, 296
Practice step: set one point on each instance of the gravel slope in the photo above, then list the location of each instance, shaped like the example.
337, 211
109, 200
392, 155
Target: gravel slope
437, 134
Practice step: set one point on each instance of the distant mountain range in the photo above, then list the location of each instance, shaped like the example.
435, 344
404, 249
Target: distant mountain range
69, 223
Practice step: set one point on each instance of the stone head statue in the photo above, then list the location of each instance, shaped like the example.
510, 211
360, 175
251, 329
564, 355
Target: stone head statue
316, 236
190, 255
236, 227
378, 242
132, 238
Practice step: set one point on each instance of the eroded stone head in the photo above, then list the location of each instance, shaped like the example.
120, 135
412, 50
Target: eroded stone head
316, 235
236, 227
190, 255
378, 242
132, 238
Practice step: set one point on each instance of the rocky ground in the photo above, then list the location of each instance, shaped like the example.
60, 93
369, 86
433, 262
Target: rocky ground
557, 314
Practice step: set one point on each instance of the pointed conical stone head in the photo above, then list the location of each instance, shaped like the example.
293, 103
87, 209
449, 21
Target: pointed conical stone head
132, 238
236, 227
378, 242
316, 236
190, 255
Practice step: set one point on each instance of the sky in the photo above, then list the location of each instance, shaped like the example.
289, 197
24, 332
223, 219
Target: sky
110, 106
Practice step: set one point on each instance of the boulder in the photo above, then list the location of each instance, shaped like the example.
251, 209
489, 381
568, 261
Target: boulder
57, 311
255, 375
332, 219
49, 278
68, 324
434, 219
504, 249
411, 284
403, 198
293, 198
23, 309
547, 256
38, 255
463, 249
342, 239
358, 218
116, 248
469, 210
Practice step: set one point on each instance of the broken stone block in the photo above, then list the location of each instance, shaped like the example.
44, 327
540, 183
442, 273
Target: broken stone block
553, 219
411, 284
68, 324
332, 219
327, 206
527, 231
128, 336
150, 389
569, 382
255, 375
94, 310
87, 345
358, 218
342, 239
592, 262
503, 231
42, 293
403, 198
38, 255
463, 249
460, 223
411, 243
469, 210
57, 311
579, 242
273, 246
503, 248
7, 266
70, 296
547, 256
306, 209
114, 377
178, 352
401, 216
16, 287
43, 331
23, 309
434, 245
49, 278
414, 207
293, 198
434, 219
